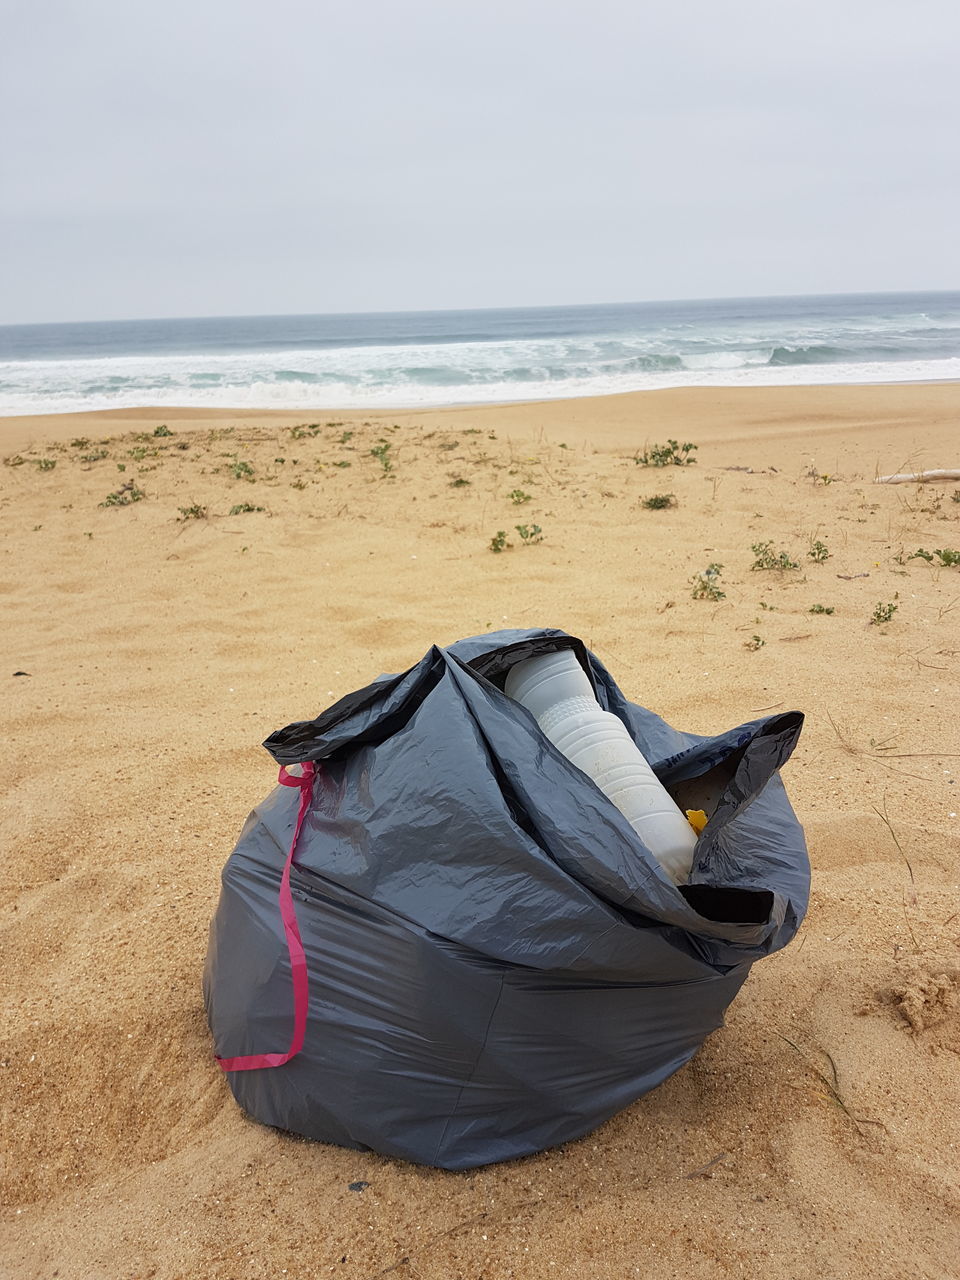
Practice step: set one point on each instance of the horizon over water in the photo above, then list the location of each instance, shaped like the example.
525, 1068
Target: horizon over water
430, 358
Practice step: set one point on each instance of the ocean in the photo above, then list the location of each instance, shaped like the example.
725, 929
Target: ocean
412, 359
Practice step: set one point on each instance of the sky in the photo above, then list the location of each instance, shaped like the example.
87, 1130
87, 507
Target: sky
223, 157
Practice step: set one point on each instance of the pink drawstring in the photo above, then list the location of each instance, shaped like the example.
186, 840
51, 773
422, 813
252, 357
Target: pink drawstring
298, 961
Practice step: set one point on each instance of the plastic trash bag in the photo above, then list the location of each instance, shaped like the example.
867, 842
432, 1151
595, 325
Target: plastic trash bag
492, 961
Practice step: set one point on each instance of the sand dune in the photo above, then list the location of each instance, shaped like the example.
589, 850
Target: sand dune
149, 646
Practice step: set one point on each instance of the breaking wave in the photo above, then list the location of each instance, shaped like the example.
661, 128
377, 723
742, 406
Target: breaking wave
807, 355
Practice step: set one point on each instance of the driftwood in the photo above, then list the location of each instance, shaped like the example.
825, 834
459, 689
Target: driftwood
916, 477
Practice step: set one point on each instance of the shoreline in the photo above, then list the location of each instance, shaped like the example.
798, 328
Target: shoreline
846, 403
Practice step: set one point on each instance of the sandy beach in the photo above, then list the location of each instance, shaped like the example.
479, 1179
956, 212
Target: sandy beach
178, 584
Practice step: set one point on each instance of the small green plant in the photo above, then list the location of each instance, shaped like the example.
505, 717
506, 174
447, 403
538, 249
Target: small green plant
955, 496
499, 541
299, 484
139, 452
754, 643
706, 584
767, 558
665, 455
195, 512
304, 430
97, 456
822, 608
88, 535
770, 608
530, 533
947, 558
458, 482
818, 551
123, 497
81, 442
518, 497
241, 508
659, 501
162, 430
46, 464
345, 436
883, 613
241, 470
382, 452
343, 463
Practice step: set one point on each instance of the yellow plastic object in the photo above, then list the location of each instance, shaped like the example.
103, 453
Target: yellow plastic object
697, 819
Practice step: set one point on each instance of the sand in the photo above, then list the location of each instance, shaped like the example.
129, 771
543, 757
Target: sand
148, 648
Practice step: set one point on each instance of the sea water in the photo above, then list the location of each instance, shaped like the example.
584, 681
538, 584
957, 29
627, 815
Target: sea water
412, 359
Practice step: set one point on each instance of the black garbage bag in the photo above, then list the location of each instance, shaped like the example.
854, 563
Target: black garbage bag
492, 960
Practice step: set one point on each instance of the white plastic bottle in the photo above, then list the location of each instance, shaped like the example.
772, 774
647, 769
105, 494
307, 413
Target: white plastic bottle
557, 692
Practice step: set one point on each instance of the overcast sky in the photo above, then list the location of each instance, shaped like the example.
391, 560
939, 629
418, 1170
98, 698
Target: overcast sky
216, 157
